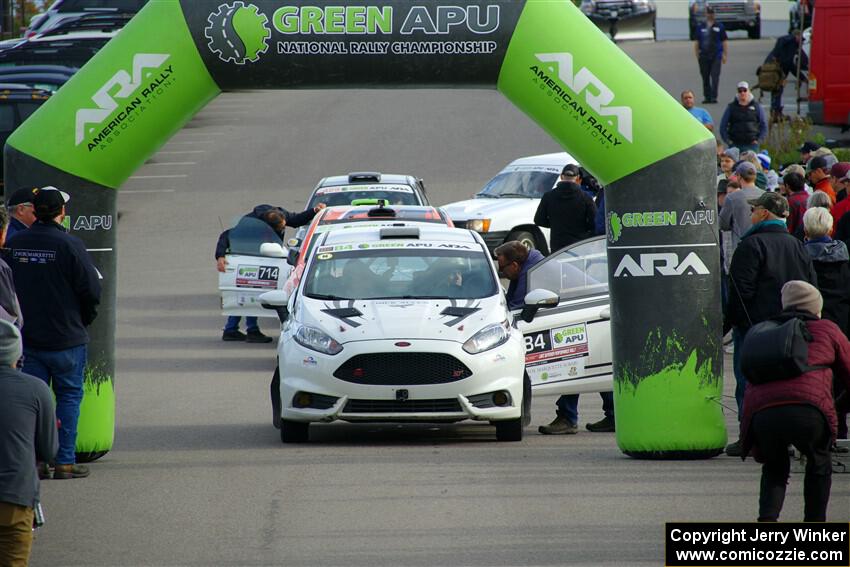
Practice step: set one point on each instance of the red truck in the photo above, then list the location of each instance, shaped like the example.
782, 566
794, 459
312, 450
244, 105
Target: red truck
829, 64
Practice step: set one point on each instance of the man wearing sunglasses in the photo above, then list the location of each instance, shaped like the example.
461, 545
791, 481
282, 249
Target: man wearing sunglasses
744, 124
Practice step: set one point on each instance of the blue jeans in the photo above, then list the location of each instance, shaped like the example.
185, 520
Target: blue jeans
63, 371
568, 406
233, 323
740, 380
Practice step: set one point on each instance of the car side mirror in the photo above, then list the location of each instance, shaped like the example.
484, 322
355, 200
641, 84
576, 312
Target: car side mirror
276, 300
292, 256
537, 299
272, 250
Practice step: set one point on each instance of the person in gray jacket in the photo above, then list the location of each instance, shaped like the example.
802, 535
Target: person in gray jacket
27, 433
735, 214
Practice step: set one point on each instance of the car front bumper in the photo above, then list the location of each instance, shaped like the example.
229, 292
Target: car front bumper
306, 372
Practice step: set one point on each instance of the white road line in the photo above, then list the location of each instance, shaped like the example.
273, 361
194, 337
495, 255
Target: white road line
158, 176
131, 191
99, 249
710, 244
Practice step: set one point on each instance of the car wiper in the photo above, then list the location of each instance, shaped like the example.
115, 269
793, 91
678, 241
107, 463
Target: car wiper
515, 195
326, 296
486, 196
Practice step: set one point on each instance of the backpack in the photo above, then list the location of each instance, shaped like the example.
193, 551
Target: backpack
770, 76
777, 349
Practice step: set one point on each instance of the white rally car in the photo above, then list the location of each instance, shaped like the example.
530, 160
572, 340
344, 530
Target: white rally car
419, 333
504, 209
401, 323
256, 263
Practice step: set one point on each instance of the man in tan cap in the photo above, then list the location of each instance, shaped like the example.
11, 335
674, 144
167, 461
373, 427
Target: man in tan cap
766, 258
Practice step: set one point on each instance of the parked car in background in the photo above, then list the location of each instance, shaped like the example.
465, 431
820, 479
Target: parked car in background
63, 10
17, 103
504, 208
614, 16
395, 189
733, 14
45, 77
72, 49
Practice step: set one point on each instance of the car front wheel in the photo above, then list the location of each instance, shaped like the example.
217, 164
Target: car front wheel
294, 431
509, 430
525, 237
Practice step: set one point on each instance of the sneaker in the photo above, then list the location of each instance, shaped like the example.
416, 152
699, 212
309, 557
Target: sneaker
43, 471
559, 426
604, 425
256, 336
70, 471
734, 449
234, 335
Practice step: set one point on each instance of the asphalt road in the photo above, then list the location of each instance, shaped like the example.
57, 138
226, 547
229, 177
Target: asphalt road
198, 476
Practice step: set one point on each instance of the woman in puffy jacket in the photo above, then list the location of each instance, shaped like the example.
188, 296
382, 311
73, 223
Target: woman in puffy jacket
799, 411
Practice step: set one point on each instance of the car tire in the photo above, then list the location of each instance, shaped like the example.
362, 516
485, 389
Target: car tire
525, 237
274, 393
294, 431
654, 29
526, 400
509, 430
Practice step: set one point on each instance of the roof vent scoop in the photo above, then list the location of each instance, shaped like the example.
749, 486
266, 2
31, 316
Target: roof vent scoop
399, 232
364, 177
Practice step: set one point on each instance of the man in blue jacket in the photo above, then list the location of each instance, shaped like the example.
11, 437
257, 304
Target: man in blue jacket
711, 49
59, 290
514, 261
278, 219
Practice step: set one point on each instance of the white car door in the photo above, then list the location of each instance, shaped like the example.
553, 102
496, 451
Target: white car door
248, 272
568, 347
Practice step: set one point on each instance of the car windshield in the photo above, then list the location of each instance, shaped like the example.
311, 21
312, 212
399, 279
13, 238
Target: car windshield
529, 184
247, 236
344, 195
399, 272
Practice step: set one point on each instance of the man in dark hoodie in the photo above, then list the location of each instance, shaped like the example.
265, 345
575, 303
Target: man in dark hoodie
278, 218
567, 210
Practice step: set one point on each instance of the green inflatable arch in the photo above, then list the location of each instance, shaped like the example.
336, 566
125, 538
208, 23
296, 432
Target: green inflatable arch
656, 162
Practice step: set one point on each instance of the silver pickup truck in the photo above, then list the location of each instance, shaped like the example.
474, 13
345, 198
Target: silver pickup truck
733, 14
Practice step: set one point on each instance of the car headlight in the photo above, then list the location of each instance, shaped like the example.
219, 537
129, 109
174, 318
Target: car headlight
489, 337
317, 340
478, 225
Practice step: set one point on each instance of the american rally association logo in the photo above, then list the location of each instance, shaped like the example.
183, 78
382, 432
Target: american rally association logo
238, 33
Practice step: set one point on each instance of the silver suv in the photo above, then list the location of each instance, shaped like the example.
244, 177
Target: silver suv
63, 10
733, 14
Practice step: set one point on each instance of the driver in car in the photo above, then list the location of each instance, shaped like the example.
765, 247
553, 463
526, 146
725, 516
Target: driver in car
278, 218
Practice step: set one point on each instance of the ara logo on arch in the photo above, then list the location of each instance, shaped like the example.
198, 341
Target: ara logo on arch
122, 86
663, 264
599, 96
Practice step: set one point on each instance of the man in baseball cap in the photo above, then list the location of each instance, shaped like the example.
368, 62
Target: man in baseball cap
818, 170
806, 150
773, 203
21, 211
49, 201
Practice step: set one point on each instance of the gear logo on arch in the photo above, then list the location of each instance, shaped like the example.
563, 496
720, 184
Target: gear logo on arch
238, 33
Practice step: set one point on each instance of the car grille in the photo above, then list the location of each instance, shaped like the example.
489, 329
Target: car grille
407, 406
622, 8
725, 9
402, 369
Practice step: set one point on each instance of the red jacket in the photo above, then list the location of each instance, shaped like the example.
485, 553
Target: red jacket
829, 347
